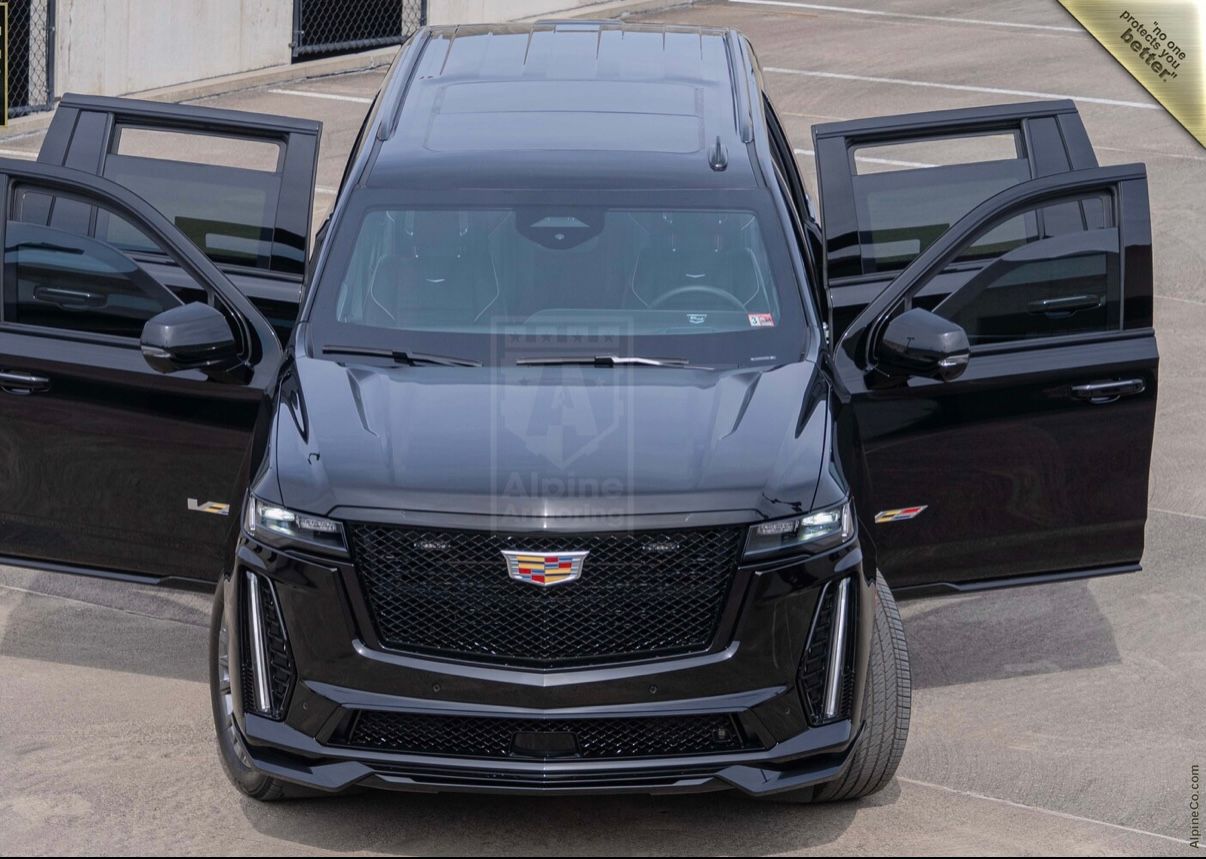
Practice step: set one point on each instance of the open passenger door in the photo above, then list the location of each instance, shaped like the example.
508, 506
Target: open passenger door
1031, 462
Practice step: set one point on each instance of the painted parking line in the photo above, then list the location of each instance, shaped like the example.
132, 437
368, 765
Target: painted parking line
358, 99
18, 153
871, 160
1113, 102
911, 16
1061, 814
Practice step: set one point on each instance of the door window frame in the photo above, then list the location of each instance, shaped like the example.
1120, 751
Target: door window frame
84, 133
253, 333
9, 189
1051, 139
1112, 218
1128, 187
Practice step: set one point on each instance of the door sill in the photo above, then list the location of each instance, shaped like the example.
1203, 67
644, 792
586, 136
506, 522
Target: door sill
174, 582
975, 586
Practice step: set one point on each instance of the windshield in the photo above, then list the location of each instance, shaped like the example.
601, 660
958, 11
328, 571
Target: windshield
501, 283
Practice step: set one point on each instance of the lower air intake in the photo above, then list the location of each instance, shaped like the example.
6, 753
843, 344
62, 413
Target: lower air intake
828, 698
477, 737
267, 669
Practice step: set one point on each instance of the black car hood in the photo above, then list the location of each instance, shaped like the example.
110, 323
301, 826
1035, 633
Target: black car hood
562, 441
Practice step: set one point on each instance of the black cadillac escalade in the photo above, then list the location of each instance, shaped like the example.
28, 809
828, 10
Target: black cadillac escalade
595, 452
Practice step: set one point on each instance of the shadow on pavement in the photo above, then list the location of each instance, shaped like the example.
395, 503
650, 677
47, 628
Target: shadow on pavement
102, 624
1010, 633
723, 823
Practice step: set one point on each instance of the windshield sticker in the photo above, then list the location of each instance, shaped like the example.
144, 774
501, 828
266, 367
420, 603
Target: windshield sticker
697, 318
762, 320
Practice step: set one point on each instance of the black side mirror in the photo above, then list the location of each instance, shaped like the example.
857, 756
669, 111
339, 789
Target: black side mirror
190, 337
920, 343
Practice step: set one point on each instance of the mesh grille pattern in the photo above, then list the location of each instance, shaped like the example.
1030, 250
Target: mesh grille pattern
280, 659
469, 736
814, 666
332, 26
640, 594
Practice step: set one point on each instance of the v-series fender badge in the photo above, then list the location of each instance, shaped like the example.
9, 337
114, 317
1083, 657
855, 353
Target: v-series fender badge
215, 507
898, 515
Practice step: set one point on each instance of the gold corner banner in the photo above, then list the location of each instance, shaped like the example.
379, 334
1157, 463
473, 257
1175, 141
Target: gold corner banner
1161, 43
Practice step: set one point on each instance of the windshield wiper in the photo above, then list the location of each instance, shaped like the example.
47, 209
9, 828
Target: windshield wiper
399, 356
609, 361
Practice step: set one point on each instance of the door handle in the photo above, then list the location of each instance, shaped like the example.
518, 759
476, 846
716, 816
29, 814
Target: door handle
1100, 393
1057, 308
66, 298
17, 382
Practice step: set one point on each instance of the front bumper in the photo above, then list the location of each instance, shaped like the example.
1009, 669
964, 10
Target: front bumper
749, 674
811, 758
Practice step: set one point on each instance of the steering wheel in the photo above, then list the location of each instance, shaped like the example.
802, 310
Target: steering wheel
713, 291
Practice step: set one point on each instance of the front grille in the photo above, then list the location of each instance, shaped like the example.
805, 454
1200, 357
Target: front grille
477, 737
641, 594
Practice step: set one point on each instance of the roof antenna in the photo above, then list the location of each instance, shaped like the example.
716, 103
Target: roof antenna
718, 156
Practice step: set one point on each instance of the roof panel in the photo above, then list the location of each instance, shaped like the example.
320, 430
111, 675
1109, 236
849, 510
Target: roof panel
570, 86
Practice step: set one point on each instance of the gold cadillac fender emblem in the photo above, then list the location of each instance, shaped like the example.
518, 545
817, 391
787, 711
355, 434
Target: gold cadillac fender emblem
215, 507
898, 515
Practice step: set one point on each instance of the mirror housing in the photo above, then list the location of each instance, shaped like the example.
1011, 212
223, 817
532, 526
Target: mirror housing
921, 343
190, 337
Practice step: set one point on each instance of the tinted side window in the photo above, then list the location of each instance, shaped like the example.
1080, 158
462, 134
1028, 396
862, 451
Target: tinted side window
221, 191
1065, 279
906, 195
59, 277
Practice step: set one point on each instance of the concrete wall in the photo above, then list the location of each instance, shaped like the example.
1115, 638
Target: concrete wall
111, 47
114, 47
479, 11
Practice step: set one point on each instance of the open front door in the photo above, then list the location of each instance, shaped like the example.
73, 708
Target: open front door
1033, 463
107, 465
239, 185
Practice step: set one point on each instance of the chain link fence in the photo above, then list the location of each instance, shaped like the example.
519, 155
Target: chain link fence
30, 56
322, 27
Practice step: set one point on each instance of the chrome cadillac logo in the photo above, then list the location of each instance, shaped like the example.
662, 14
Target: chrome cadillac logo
545, 570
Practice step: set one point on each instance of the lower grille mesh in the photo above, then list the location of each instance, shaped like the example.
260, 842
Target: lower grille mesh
469, 736
280, 660
814, 665
276, 648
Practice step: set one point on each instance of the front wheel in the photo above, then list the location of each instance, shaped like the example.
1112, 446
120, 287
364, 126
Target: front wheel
887, 703
235, 760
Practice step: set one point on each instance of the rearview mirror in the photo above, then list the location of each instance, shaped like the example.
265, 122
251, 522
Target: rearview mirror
920, 343
189, 337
